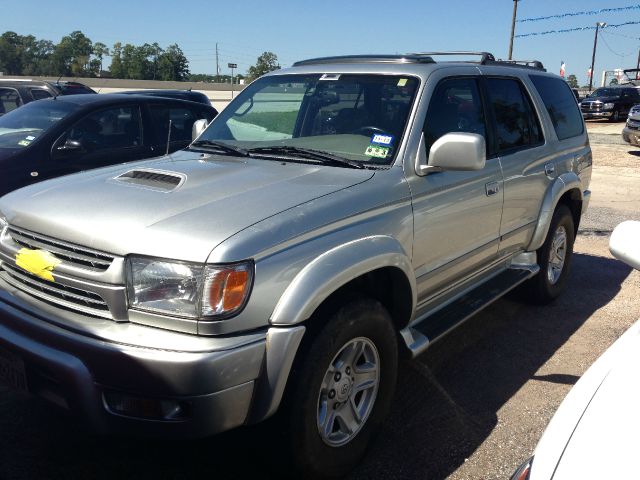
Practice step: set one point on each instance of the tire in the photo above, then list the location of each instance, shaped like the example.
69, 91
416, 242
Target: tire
363, 324
551, 281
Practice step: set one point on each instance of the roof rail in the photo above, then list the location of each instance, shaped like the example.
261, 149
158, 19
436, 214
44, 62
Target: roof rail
486, 58
410, 58
533, 64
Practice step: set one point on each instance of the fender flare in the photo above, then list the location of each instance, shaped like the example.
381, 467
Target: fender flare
561, 185
334, 269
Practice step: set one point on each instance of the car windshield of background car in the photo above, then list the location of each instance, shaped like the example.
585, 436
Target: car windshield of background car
19, 128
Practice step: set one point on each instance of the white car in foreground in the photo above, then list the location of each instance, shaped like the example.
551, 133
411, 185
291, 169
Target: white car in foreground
595, 432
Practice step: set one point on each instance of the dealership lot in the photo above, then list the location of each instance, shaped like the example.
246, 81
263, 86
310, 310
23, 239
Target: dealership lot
472, 407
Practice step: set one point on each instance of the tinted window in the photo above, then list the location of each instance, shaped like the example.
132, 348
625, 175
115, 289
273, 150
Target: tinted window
111, 128
9, 100
517, 125
559, 102
39, 93
181, 118
455, 106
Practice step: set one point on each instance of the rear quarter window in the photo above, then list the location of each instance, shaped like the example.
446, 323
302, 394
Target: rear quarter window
561, 106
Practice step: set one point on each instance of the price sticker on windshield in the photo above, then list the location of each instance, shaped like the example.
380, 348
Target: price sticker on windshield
385, 140
377, 151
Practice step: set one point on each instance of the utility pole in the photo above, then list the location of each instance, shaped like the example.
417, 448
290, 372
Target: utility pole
638, 67
513, 27
217, 65
593, 56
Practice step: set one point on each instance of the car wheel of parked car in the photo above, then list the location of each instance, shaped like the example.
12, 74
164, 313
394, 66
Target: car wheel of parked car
554, 258
342, 391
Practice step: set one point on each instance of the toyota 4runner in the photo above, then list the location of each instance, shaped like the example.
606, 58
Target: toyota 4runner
334, 216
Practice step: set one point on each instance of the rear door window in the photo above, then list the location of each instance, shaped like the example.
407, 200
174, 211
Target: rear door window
9, 100
517, 124
181, 118
39, 93
561, 106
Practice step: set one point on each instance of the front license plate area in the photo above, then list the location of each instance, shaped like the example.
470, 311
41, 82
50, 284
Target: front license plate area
12, 371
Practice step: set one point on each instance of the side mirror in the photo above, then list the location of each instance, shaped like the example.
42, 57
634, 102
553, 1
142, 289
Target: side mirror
625, 243
71, 146
453, 151
198, 127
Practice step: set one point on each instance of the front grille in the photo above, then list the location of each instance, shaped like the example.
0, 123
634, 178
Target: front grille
591, 106
56, 293
71, 254
634, 125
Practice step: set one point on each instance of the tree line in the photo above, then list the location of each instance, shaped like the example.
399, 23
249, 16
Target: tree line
77, 56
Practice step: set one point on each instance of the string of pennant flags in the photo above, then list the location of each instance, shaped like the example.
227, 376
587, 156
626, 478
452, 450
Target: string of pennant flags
586, 12
576, 29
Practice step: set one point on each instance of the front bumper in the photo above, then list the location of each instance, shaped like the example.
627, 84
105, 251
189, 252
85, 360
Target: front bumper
588, 115
218, 380
631, 136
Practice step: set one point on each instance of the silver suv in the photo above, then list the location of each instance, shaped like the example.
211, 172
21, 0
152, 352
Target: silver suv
335, 215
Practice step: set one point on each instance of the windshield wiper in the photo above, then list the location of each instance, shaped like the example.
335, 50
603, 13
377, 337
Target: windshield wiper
219, 147
307, 153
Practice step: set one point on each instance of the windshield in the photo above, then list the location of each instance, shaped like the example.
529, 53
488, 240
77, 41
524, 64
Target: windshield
606, 92
358, 118
20, 127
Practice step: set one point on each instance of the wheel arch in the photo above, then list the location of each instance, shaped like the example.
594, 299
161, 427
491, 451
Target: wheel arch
567, 190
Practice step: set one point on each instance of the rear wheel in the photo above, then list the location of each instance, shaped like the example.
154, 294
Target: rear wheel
554, 258
342, 390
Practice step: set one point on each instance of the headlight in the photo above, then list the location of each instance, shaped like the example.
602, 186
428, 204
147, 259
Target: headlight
187, 290
608, 106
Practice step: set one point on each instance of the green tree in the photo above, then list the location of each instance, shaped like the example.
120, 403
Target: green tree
267, 62
116, 68
10, 57
172, 64
100, 50
72, 55
572, 80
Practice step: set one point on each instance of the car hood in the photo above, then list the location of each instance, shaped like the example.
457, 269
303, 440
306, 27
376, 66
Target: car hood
7, 153
594, 432
218, 197
601, 99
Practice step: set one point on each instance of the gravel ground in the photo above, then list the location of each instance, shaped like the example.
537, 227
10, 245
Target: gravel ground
472, 407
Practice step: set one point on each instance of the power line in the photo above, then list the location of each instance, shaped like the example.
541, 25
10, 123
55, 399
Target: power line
586, 12
576, 29
612, 50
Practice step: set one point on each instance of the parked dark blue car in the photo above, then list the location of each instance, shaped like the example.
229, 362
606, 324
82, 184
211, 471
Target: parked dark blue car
54, 137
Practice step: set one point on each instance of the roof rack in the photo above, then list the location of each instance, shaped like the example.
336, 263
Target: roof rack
486, 58
410, 58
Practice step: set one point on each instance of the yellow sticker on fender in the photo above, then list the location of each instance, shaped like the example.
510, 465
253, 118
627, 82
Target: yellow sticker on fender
39, 262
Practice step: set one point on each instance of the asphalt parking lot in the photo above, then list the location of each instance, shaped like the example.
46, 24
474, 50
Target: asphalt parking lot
472, 407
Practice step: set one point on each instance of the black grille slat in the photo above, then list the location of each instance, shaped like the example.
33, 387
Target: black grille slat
24, 280
72, 254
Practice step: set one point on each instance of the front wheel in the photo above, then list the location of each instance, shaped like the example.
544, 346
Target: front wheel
342, 391
554, 258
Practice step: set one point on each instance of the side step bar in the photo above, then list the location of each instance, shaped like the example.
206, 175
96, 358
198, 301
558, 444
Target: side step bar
420, 335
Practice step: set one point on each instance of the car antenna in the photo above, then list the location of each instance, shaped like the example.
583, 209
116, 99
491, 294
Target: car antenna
168, 138
55, 95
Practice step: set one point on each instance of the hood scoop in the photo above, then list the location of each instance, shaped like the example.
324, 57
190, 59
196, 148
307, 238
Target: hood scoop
152, 179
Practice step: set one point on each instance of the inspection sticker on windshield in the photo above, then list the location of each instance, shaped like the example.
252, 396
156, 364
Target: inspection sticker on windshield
402, 82
377, 151
30, 138
382, 139
24, 143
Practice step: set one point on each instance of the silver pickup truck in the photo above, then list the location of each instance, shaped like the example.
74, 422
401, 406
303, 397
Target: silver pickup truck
336, 215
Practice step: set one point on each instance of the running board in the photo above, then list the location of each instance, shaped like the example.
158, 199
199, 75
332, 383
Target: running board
420, 335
